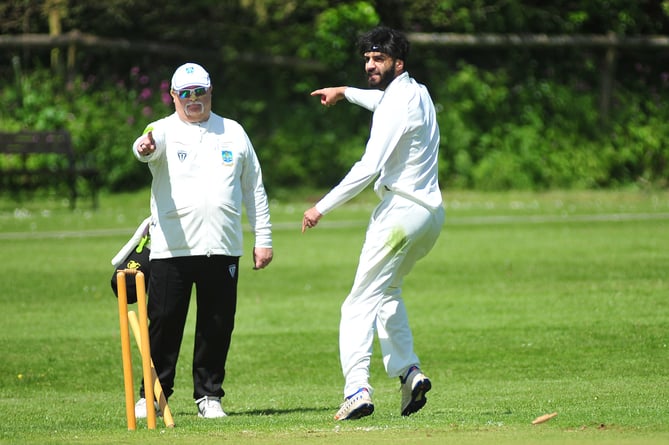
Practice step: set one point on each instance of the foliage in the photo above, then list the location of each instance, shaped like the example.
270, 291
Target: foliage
537, 134
518, 16
541, 134
509, 118
103, 118
337, 29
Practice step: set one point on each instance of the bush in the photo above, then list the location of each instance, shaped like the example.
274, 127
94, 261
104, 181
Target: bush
543, 134
103, 117
497, 133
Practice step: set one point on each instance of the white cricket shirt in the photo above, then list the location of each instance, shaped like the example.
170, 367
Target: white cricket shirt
403, 146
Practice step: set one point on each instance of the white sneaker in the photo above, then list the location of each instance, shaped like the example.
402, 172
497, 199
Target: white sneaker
414, 386
140, 409
356, 406
209, 407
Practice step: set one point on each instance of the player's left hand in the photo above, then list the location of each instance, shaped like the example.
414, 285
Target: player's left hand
311, 218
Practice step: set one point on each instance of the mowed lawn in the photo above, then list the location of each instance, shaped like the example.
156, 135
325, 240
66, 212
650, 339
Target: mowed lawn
531, 303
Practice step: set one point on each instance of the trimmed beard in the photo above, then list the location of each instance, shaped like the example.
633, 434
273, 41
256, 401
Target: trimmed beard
385, 79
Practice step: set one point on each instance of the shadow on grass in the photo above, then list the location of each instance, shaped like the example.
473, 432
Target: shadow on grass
272, 411
259, 412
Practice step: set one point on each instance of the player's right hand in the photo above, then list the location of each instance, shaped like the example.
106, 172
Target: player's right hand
147, 144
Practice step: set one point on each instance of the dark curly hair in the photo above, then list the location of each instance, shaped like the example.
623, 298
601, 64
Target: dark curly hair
385, 40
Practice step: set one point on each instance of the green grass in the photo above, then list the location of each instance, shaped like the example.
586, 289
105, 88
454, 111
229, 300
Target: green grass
529, 304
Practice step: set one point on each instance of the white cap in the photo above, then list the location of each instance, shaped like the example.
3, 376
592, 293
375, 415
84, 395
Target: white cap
190, 74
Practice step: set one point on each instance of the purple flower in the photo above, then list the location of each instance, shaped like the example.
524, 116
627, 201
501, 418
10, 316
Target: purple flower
145, 94
166, 98
147, 111
134, 71
130, 120
165, 85
143, 80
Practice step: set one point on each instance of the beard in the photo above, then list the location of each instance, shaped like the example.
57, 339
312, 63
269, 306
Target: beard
384, 78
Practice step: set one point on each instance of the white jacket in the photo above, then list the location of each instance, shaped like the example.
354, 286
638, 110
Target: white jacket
202, 174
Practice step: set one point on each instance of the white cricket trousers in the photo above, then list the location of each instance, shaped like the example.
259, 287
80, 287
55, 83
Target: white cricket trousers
400, 232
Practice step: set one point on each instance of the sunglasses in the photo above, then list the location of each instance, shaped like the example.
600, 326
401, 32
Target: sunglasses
187, 93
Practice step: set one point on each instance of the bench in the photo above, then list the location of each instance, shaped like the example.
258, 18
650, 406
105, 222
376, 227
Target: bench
32, 160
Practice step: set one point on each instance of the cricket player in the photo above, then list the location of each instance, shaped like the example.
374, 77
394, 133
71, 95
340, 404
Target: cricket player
401, 154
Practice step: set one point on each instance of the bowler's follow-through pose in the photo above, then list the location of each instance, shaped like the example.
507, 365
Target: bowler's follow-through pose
402, 151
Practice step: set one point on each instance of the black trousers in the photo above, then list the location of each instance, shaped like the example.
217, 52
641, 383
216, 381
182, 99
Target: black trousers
170, 288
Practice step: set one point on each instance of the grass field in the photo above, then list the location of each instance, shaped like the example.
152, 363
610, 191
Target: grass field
529, 304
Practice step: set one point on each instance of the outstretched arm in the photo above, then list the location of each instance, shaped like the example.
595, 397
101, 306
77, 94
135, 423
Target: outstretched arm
330, 95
